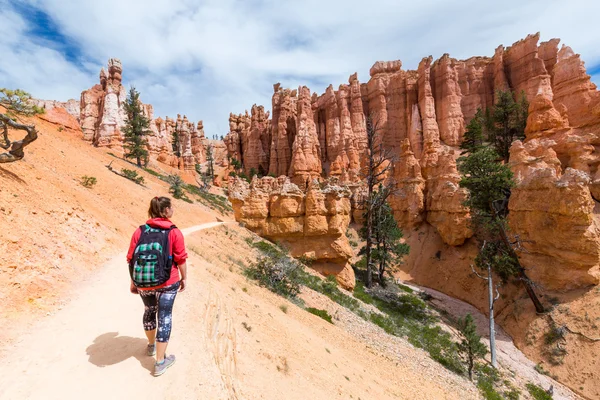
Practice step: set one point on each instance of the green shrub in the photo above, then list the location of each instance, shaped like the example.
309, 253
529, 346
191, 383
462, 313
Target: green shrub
214, 201
132, 176
537, 392
486, 387
280, 274
320, 313
153, 172
88, 181
176, 186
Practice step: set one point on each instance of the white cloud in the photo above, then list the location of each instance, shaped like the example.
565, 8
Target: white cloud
208, 58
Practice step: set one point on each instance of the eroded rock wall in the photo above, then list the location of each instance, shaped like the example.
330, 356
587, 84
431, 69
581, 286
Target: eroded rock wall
421, 116
310, 222
102, 117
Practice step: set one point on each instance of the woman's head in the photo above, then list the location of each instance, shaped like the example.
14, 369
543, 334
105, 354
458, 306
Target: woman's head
160, 207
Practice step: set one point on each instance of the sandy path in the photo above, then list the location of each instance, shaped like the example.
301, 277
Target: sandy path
94, 348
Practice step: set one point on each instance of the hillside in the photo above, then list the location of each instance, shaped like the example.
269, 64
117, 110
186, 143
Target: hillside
75, 327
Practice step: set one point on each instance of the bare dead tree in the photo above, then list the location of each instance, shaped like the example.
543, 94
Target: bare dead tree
375, 172
491, 299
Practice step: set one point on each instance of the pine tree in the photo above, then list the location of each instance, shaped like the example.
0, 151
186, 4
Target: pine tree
176, 186
175, 143
508, 120
137, 126
389, 248
488, 181
470, 346
210, 170
474, 137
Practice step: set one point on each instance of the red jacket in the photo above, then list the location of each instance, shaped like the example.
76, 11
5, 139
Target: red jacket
177, 249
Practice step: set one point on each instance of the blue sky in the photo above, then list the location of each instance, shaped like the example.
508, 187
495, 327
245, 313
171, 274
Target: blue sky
208, 58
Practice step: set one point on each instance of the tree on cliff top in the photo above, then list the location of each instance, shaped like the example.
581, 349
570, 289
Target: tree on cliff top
137, 126
17, 103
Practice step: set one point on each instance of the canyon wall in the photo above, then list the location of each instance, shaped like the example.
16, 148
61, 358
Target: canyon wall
102, 117
310, 223
421, 116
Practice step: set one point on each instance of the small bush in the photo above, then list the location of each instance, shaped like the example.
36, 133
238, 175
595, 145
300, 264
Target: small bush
266, 248
320, 313
537, 392
553, 335
132, 176
214, 201
539, 368
176, 186
153, 172
486, 387
284, 308
512, 394
61, 128
279, 274
88, 181
384, 322
487, 377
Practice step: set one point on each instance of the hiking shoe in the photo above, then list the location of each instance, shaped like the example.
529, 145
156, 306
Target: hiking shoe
151, 350
160, 369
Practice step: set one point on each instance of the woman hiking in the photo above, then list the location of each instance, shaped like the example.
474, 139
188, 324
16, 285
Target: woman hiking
157, 266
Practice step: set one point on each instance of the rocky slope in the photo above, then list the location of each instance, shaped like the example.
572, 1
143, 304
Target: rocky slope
422, 116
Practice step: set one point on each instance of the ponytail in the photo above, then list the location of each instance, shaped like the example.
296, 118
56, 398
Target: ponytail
158, 206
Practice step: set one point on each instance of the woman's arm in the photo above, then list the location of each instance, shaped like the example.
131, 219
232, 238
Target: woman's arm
183, 272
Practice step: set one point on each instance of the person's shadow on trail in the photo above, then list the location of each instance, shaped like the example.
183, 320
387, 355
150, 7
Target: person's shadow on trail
110, 349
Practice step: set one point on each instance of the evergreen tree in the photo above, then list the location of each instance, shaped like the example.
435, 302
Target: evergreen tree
176, 144
137, 126
488, 181
389, 248
474, 137
210, 170
176, 186
470, 346
508, 120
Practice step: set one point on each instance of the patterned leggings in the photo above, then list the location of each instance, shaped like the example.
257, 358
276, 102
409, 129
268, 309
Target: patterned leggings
160, 300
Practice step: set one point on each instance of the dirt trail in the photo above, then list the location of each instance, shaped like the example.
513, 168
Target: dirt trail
93, 347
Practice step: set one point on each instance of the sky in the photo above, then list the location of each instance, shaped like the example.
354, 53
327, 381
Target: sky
208, 58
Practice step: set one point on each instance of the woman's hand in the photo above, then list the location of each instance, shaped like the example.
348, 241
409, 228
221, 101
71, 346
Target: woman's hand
182, 285
132, 288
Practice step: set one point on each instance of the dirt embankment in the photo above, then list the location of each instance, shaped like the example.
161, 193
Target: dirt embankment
55, 232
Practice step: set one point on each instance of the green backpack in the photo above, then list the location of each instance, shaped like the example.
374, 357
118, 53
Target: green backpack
151, 263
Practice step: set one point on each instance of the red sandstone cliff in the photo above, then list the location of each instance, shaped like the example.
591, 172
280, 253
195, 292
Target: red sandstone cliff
422, 116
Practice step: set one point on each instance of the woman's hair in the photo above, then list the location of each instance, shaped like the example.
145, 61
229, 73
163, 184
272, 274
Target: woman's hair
158, 205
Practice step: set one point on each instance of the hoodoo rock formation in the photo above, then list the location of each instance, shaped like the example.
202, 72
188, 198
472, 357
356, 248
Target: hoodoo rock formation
309, 223
102, 116
422, 115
